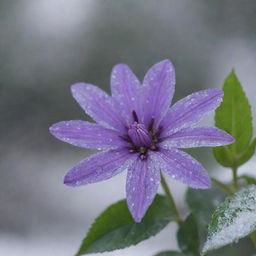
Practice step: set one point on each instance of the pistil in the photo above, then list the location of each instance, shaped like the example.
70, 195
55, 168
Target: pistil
139, 135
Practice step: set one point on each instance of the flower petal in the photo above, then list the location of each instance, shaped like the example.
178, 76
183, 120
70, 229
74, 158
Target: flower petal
181, 166
87, 135
197, 137
98, 105
101, 166
142, 182
125, 88
158, 90
190, 110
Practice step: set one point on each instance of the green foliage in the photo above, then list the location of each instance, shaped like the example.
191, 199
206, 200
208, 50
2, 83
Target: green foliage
116, 229
244, 247
170, 253
249, 179
188, 237
234, 219
235, 117
230, 221
203, 204
253, 237
244, 157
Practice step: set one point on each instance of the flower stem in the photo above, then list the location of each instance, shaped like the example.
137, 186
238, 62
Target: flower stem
235, 183
171, 200
222, 185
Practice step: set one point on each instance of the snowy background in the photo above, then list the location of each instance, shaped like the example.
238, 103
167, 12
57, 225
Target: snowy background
47, 45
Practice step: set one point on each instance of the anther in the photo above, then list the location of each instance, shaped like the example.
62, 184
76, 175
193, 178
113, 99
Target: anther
139, 135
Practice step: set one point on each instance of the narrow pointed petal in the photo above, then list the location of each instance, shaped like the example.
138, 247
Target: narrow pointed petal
190, 110
87, 135
99, 167
125, 88
143, 179
98, 105
158, 90
181, 166
197, 137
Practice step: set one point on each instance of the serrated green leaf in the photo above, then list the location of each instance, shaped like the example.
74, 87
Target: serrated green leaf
116, 229
170, 253
203, 204
188, 237
234, 219
235, 117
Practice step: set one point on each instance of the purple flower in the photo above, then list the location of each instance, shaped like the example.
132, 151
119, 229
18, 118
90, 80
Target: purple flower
140, 133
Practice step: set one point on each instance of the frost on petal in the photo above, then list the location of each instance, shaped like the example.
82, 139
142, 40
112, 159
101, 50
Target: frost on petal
99, 167
125, 88
98, 105
143, 179
234, 219
181, 166
190, 110
87, 135
158, 90
197, 137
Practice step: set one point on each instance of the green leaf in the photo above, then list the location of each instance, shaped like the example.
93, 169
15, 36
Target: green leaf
253, 238
235, 117
244, 247
249, 179
188, 237
223, 156
116, 229
170, 253
203, 203
244, 157
234, 219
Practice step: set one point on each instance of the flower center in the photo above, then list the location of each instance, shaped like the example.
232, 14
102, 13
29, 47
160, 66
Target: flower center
139, 135
142, 138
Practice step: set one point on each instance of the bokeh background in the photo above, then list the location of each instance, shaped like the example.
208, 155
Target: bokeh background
47, 45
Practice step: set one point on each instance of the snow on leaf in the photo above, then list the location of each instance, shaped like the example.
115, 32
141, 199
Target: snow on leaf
234, 219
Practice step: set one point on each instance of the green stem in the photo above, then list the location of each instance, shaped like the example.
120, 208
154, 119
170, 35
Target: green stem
235, 183
171, 200
225, 187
